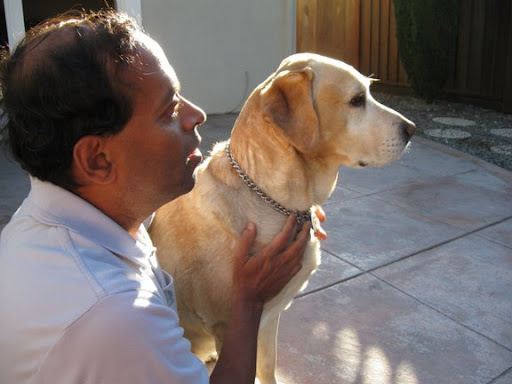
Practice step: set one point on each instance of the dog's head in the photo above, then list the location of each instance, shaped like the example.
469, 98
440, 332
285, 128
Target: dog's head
324, 108
309, 118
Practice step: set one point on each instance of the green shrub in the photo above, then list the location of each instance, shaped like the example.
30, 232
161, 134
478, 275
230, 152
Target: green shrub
427, 39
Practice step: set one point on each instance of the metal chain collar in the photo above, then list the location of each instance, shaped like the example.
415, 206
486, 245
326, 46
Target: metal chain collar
301, 216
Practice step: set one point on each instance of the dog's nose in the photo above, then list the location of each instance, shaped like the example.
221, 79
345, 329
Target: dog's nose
408, 129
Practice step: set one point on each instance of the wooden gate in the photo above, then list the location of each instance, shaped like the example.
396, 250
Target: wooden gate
363, 34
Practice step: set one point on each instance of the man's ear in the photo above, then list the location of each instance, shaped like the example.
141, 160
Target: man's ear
91, 164
287, 102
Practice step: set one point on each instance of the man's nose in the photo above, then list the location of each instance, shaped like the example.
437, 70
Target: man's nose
192, 115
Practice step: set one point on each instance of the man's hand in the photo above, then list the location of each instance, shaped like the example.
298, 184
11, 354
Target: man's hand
260, 277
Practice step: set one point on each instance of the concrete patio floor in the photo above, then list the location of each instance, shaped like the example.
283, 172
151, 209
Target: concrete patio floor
415, 285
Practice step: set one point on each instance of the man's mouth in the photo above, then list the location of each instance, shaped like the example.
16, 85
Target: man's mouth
195, 157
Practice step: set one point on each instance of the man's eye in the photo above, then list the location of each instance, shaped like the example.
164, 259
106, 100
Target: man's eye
172, 112
358, 101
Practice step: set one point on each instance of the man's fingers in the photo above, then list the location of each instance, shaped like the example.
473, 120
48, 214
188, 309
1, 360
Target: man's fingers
282, 239
296, 251
246, 240
304, 231
296, 268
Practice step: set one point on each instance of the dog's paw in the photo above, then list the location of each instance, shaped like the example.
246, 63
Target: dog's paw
317, 218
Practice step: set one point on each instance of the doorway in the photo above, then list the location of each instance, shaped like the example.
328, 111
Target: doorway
36, 11
17, 16
3, 28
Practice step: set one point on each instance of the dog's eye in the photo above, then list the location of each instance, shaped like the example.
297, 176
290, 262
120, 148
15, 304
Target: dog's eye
358, 101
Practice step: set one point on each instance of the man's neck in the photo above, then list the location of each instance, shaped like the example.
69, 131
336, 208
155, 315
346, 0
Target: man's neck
114, 206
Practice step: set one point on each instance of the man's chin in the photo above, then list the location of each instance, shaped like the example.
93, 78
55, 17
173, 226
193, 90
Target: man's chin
188, 184
188, 181
177, 193
188, 188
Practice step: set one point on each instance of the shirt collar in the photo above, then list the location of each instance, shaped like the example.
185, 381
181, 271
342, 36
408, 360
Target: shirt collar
57, 206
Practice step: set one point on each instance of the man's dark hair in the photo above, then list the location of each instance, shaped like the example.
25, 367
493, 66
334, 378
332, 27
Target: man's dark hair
63, 82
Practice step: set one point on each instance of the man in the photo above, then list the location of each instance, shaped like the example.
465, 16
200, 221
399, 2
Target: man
96, 116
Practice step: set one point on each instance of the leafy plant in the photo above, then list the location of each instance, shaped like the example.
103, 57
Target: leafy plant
427, 41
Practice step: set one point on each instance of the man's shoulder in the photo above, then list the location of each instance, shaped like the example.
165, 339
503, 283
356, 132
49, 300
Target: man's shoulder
62, 266
39, 264
55, 250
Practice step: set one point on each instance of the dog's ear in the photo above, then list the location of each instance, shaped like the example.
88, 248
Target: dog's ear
287, 101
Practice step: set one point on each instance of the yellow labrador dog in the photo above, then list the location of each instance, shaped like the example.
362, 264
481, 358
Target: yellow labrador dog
309, 118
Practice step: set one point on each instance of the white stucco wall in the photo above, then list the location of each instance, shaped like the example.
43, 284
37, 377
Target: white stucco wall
221, 49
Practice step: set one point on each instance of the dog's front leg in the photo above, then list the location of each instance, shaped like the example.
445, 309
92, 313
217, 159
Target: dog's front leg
267, 350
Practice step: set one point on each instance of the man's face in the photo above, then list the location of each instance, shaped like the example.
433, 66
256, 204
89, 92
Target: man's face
156, 152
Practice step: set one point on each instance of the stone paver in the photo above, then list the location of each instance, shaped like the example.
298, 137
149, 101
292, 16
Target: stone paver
505, 378
368, 232
500, 233
470, 200
469, 280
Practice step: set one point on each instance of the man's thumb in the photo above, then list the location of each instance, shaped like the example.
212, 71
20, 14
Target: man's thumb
246, 240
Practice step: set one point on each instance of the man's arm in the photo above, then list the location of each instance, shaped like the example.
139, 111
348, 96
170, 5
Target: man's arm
256, 279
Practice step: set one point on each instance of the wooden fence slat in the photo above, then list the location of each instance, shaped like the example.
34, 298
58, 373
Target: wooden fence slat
300, 34
352, 31
335, 31
507, 91
366, 36
461, 77
375, 38
384, 39
488, 50
498, 16
476, 47
321, 12
393, 46
306, 28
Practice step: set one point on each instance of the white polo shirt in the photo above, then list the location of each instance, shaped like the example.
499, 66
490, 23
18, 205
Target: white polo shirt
81, 301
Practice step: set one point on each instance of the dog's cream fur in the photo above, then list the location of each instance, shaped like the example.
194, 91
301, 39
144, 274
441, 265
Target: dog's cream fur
309, 118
